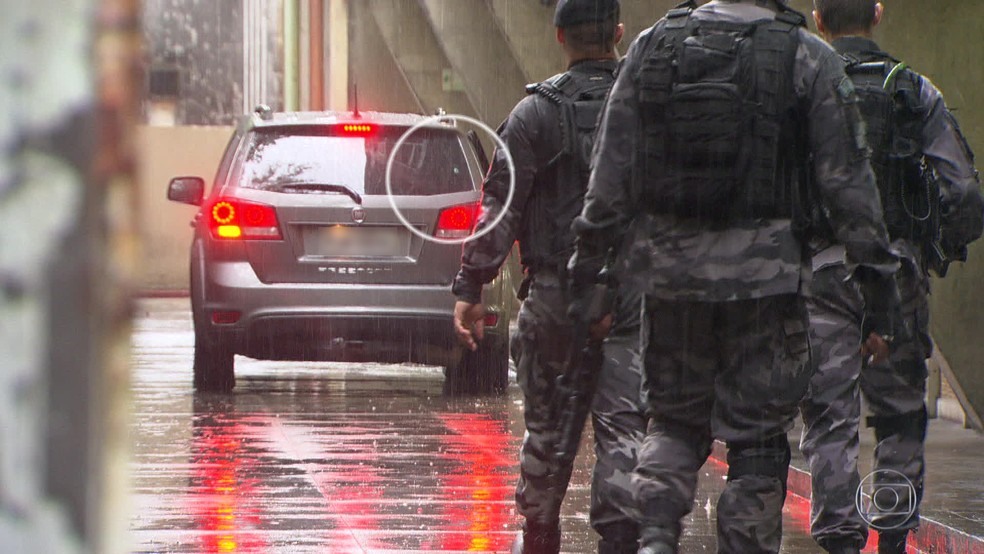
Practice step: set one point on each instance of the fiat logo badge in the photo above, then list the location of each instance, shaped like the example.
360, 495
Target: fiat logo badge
358, 215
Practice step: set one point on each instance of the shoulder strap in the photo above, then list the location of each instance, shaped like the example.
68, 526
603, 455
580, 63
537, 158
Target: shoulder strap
553, 91
549, 89
677, 17
789, 16
683, 8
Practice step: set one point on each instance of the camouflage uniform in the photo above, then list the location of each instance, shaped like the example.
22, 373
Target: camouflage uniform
894, 391
541, 343
619, 421
727, 350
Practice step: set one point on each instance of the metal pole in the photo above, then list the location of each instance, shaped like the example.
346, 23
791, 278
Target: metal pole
316, 69
291, 55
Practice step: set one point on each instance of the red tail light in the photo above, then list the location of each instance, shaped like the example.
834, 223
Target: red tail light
457, 221
230, 218
356, 129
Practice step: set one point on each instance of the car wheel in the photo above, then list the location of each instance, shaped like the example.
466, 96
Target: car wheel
484, 371
214, 366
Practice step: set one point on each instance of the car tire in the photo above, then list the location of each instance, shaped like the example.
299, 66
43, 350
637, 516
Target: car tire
482, 372
214, 366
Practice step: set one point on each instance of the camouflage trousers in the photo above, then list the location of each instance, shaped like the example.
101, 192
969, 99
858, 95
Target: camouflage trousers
539, 348
894, 393
619, 420
735, 371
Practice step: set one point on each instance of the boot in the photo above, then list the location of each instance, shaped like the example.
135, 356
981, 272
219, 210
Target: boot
840, 546
537, 538
658, 540
843, 548
892, 542
618, 538
617, 547
657, 548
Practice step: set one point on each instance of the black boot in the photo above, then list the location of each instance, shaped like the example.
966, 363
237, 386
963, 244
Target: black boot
892, 542
658, 540
620, 537
618, 547
841, 547
657, 548
536, 538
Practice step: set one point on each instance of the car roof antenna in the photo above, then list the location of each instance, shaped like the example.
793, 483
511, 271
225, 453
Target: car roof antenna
355, 103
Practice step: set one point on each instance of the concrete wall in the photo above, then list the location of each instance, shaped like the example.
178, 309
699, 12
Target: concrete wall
170, 152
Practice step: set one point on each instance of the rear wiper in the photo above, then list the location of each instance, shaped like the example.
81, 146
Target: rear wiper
323, 187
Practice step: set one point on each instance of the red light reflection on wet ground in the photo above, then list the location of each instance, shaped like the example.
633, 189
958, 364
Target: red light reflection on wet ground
482, 475
221, 496
349, 482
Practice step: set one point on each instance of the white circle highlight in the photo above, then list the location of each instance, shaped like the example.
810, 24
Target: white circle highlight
499, 142
886, 501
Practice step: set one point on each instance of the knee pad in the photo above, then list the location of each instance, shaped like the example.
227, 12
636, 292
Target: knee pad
910, 425
768, 458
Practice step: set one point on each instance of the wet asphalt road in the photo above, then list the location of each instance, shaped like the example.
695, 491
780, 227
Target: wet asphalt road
338, 458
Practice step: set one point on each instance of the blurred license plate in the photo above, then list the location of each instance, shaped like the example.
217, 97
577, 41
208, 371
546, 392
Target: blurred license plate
345, 240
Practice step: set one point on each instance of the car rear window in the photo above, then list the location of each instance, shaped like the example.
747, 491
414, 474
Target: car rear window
299, 159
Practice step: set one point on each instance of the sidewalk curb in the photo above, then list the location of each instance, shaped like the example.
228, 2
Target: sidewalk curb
932, 537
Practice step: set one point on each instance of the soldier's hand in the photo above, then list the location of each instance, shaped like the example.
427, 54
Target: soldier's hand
599, 329
875, 349
469, 323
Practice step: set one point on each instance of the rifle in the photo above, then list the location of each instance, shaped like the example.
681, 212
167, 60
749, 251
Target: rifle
575, 387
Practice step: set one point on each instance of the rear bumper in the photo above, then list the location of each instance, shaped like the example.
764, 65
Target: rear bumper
334, 322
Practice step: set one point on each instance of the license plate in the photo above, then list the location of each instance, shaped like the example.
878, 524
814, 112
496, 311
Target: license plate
361, 242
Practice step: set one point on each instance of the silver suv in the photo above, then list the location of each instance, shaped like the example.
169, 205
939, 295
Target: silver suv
298, 255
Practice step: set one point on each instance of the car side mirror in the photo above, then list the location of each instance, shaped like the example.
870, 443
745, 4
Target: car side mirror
187, 190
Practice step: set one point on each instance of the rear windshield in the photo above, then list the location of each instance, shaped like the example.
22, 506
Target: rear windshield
299, 159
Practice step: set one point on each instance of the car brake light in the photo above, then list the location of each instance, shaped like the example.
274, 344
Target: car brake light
457, 221
357, 129
229, 218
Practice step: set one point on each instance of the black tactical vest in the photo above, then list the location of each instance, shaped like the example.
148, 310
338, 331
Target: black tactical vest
721, 138
888, 95
580, 97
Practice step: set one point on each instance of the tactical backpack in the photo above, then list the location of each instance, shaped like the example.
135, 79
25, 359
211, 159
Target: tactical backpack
888, 95
580, 98
720, 135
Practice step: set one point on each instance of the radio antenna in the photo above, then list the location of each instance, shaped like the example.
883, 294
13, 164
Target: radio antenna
355, 101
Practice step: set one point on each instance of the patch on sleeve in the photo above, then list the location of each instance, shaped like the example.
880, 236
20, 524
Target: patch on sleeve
848, 99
